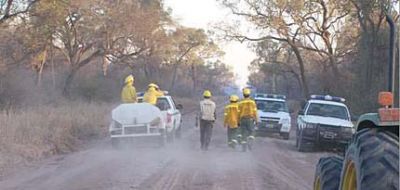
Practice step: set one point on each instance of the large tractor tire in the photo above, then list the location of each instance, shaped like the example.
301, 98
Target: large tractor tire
327, 173
371, 161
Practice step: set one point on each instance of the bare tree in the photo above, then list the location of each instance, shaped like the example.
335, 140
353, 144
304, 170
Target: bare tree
268, 17
13, 8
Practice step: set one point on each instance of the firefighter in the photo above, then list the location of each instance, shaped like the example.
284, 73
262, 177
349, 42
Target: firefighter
128, 93
207, 118
248, 119
152, 94
231, 120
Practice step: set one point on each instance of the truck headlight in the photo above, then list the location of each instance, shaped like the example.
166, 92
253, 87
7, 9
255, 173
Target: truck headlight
311, 125
348, 130
285, 121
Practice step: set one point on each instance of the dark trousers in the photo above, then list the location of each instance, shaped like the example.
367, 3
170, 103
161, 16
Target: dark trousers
246, 128
205, 133
232, 134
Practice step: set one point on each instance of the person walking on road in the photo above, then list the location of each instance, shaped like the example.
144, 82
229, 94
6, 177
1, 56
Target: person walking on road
152, 94
128, 93
231, 120
207, 119
248, 118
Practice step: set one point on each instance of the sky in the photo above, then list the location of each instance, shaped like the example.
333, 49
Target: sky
201, 14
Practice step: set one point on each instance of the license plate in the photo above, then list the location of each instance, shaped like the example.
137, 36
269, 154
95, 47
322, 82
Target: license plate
329, 135
269, 125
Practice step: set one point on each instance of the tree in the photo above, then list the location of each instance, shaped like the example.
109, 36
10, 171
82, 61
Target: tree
274, 61
306, 25
324, 24
132, 29
181, 43
369, 64
268, 18
191, 47
119, 32
10, 9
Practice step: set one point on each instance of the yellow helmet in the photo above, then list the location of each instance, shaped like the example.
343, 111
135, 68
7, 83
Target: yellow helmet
153, 85
129, 79
207, 94
234, 98
246, 92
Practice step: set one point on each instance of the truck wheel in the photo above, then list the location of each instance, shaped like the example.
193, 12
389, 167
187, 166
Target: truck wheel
372, 161
327, 173
302, 145
285, 135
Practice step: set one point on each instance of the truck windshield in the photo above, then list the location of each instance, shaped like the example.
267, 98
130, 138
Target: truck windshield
327, 110
272, 106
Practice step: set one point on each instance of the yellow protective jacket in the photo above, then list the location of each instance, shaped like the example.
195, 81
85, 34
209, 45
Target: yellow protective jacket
248, 109
231, 115
128, 94
151, 96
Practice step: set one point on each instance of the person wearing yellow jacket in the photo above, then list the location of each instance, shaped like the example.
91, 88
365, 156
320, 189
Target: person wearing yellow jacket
128, 93
152, 94
248, 118
231, 120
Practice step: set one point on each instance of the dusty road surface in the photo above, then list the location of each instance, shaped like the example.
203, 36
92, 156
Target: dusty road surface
273, 164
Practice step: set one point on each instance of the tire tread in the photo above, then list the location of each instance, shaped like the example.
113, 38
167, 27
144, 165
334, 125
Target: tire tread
328, 170
375, 153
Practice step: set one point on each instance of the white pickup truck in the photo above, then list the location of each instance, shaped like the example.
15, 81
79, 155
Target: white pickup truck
273, 115
162, 121
325, 121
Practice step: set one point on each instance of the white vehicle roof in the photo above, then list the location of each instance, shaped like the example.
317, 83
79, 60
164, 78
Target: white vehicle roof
327, 102
271, 99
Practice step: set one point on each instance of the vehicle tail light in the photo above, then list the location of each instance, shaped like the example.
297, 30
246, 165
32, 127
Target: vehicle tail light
389, 114
169, 118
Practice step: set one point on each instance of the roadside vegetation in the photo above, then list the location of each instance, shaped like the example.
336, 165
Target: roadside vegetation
63, 62
36, 132
316, 47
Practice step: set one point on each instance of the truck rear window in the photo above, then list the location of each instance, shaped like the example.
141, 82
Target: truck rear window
163, 104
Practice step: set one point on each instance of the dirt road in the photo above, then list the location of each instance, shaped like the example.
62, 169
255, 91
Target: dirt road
273, 164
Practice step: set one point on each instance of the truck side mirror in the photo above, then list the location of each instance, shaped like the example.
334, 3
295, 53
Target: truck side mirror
179, 107
301, 112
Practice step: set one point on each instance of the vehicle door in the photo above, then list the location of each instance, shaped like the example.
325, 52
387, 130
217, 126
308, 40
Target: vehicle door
176, 114
300, 117
164, 105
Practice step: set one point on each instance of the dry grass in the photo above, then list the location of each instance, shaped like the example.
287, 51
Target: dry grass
34, 133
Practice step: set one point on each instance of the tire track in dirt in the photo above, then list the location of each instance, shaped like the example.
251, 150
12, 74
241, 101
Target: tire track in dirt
218, 168
273, 164
285, 162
